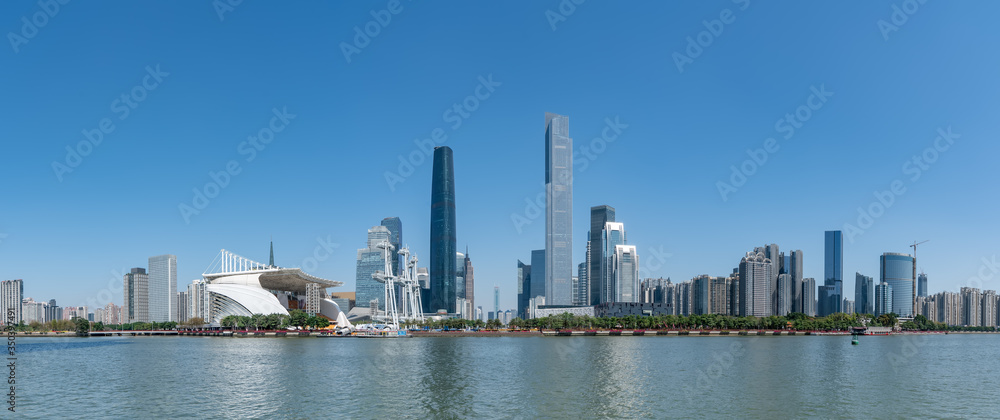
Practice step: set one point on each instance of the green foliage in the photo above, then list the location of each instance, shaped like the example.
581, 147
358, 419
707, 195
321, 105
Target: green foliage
82, 326
298, 318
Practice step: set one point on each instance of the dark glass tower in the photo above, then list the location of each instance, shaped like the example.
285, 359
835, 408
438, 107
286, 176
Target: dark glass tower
395, 227
834, 271
443, 238
599, 216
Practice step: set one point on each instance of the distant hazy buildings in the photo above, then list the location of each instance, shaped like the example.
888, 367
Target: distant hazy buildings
369, 260
864, 289
135, 307
897, 271
162, 288
558, 210
443, 241
599, 218
11, 298
32, 311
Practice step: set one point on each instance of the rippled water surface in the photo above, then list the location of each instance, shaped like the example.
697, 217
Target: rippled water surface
511, 377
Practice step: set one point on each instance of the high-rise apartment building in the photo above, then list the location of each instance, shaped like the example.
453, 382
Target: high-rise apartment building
883, 299
11, 298
32, 311
443, 241
795, 270
558, 210
755, 280
198, 300
809, 296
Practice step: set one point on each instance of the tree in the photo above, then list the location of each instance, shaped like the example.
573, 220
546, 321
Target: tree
82, 326
298, 318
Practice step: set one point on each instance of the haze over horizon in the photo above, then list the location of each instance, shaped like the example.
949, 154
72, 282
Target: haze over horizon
861, 117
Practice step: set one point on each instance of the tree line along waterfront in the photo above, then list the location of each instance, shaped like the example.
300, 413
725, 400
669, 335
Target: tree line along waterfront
794, 321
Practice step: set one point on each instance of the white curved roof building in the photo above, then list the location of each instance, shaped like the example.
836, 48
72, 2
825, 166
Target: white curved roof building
244, 287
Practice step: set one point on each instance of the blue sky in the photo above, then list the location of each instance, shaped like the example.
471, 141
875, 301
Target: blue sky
322, 177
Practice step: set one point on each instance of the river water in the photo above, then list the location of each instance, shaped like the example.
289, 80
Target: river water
509, 377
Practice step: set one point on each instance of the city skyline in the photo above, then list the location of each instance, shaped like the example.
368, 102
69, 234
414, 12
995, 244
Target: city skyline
672, 135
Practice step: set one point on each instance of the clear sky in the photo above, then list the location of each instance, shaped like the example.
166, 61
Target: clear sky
70, 225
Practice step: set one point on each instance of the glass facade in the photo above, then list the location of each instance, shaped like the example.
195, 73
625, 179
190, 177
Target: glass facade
897, 271
863, 294
612, 236
922, 285
370, 259
538, 269
162, 288
626, 274
558, 211
599, 217
395, 227
834, 270
883, 299
443, 246
523, 288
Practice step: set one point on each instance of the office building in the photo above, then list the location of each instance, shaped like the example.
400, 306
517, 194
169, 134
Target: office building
182, 307
848, 306
883, 299
395, 227
599, 218
897, 270
612, 236
443, 241
470, 282
625, 266
922, 285
581, 288
864, 288
523, 288
538, 274
135, 306
795, 270
833, 273
782, 295
369, 260
558, 210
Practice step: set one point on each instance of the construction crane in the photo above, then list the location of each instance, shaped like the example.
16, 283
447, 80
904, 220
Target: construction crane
914, 246
913, 296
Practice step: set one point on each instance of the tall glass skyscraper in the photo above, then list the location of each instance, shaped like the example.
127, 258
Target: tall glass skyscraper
864, 299
883, 299
395, 227
922, 285
599, 217
370, 259
538, 271
162, 288
523, 288
612, 236
834, 271
625, 266
135, 307
558, 211
897, 271
795, 270
443, 294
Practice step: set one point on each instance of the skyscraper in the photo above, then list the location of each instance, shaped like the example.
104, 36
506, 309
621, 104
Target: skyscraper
783, 295
581, 297
809, 296
11, 298
198, 303
897, 270
625, 266
395, 227
538, 273
443, 244
834, 271
459, 276
883, 299
755, 280
599, 217
371, 259
162, 288
864, 299
922, 285
523, 288
795, 270
135, 307
612, 235
182, 307
558, 210
470, 282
